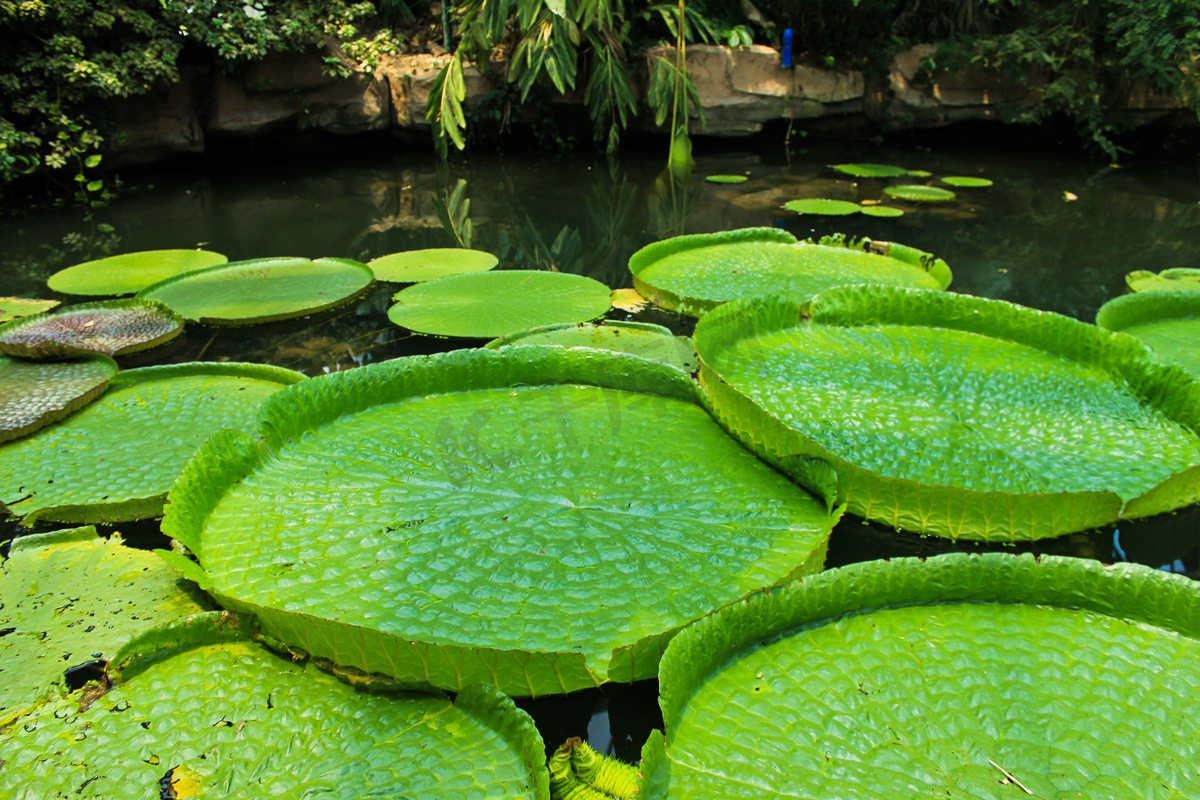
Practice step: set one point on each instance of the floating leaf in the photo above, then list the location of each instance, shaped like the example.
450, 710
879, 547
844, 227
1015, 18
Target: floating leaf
16, 307
414, 266
695, 273
130, 272
966, 181
117, 458
822, 205
1180, 279
957, 416
636, 338
111, 327
726, 178
70, 598
34, 394
871, 170
197, 709
882, 211
262, 289
991, 676
919, 194
537, 518
490, 304
1167, 321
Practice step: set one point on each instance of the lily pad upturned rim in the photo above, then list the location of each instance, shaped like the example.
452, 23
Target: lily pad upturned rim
1150, 306
322, 403
450, 306
947, 510
641, 331
291, 312
48, 348
1127, 592
79, 279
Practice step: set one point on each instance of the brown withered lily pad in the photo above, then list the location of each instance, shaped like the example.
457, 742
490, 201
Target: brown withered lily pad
110, 327
33, 394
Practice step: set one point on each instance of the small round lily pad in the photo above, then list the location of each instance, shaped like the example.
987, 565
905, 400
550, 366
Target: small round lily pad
822, 205
726, 178
16, 307
415, 266
33, 394
871, 170
262, 289
1180, 279
130, 272
111, 327
490, 304
919, 194
882, 211
966, 180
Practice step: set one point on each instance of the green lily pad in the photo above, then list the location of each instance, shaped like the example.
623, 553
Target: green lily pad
110, 327
69, 598
637, 338
957, 416
116, 459
987, 677
694, 274
540, 519
726, 178
197, 709
34, 394
882, 211
919, 194
1179, 279
871, 170
262, 289
1169, 322
415, 266
966, 181
16, 307
130, 272
490, 304
823, 205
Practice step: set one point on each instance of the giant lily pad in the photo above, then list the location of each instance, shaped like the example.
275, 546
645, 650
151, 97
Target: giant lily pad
262, 289
823, 206
130, 272
491, 304
34, 394
693, 274
16, 307
871, 170
541, 519
69, 598
919, 194
116, 459
1169, 322
954, 415
1179, 279
415, 266
111, 327
982, 677
638, 338
967, 181
196, 709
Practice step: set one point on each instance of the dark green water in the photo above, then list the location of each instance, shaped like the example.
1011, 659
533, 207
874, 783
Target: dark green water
1055, 232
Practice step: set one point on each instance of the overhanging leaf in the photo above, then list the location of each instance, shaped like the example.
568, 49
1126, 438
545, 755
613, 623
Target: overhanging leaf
537, 518
490, 304
70, 598
808, 691
116, 460
130, 272
34, 394
110, 327
957, 416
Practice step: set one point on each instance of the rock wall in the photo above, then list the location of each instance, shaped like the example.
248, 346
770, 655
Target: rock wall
740, 91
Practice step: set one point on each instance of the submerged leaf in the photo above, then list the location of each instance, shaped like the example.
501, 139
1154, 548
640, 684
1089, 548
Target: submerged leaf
960, 676
110, 327
490, 304
34, 394
540, 519
130, 272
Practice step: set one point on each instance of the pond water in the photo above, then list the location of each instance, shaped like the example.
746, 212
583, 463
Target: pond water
1055, 231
